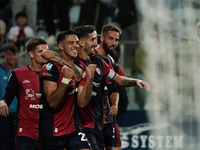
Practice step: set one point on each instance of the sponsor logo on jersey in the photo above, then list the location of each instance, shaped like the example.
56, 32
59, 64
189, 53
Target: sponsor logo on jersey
94, 93
49, 66
96, 84
98, 70
26, 81
38, 95
46, 74
36, 106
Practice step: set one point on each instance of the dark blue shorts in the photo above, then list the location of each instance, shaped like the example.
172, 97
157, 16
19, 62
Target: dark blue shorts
95, 138
73, 141
108, 133
24, 142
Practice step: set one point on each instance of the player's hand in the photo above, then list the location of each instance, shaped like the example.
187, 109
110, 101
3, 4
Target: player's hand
3, 109
77, 73
141, 83
90, 69
113, 111
67, 72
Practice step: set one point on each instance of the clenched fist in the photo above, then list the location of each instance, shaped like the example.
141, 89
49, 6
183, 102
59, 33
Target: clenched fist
90, 69
67, 72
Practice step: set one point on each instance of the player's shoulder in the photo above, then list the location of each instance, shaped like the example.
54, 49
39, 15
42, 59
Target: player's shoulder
100, 57
49, 66
116, 65
20, 69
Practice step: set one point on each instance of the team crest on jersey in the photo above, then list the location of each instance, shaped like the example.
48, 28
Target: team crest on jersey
49, 66
84, 74
30, 94
98, 70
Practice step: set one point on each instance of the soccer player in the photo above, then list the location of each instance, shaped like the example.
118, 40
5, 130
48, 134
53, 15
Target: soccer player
7, 123
61, 124
92, 115
24, 83
110, 103
108, 42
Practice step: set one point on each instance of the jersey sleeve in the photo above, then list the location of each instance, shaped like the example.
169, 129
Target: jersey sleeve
121, 71
11, 89
108, 73
111, 87
49, 72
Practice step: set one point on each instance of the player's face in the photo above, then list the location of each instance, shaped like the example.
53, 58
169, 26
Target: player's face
110, 41
70, 46
11, 58
90, 44
36, 55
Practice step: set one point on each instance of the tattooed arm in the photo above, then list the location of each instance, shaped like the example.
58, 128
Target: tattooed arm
127, 82
53, 56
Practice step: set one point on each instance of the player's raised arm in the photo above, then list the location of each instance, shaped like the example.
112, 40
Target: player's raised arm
53, 56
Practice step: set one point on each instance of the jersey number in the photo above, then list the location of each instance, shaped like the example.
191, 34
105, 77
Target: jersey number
83, 137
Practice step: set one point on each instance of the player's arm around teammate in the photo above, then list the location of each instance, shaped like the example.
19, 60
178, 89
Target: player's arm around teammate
53, 56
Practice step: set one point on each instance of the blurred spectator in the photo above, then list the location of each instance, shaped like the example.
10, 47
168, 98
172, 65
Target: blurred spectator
127, 20
63, 7
21, 32
5, 11
94, 12
2, 32
29, 7
140, 59
7, 124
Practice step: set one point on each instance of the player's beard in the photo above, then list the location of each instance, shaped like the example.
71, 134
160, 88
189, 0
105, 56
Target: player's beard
110, 52
106, 49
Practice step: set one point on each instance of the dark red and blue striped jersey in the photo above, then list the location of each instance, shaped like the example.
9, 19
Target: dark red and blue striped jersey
25, 84
92, 115
108, 89
65, 118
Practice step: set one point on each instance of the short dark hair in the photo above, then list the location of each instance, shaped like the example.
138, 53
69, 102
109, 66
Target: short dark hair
33, 42
82, 32
91, 26
108, 27
12, 48
61, 36
20, 14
